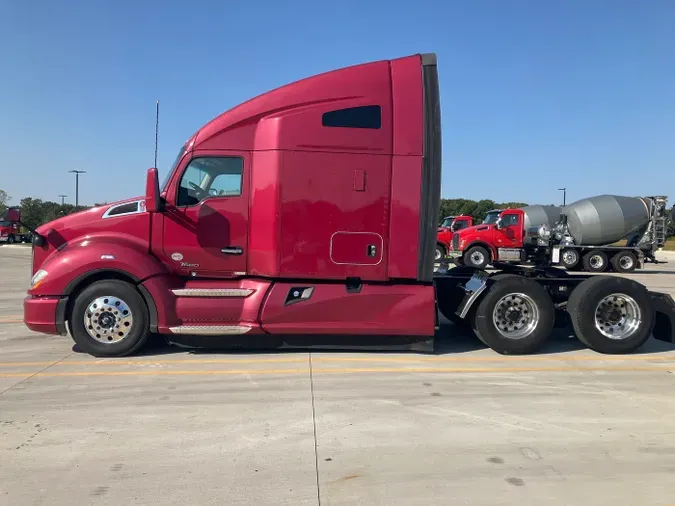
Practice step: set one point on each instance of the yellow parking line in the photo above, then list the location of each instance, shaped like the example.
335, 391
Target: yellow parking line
656, 358
10, 321
347, 370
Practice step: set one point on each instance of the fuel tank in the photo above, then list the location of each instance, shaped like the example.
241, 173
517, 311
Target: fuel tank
536, 216
605, 219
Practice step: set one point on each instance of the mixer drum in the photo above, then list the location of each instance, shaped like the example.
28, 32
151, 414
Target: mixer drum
605, 219
536, 216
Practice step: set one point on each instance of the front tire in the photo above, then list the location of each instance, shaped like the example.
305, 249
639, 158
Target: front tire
109, 319
515, 317
610, 314
440, 253
477, 257
569, 258
11, 239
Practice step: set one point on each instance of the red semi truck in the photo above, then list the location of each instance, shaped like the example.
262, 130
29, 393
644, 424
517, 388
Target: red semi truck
449, 226
11, 231
308, 216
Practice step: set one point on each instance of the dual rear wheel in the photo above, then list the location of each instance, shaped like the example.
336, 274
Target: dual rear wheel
608, 314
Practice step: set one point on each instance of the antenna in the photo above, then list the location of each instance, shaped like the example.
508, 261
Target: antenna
156, 132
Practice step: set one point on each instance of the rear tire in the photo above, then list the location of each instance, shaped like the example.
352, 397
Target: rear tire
595, 261
610, 314
516, 315
624, 261
476, 256
109, 319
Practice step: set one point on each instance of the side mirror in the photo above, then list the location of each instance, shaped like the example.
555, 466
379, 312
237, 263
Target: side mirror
499, 224
152, 191
12, 215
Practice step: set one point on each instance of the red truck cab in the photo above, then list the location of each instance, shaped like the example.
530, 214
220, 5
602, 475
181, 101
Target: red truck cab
483, 244
449, 226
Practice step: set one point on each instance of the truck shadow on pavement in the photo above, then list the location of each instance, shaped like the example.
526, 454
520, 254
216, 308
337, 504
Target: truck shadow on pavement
449, 340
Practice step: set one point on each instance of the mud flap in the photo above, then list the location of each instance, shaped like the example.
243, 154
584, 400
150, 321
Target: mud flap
664, 324
472, 288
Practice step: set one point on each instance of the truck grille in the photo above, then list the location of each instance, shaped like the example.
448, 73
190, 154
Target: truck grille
455, 242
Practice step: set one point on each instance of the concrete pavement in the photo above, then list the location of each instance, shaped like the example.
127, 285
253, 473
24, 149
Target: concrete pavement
465, 426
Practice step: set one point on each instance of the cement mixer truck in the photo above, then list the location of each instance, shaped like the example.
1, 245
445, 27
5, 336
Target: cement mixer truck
580, 236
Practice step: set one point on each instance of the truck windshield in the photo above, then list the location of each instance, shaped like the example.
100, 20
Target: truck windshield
491, 218
447, 222
173, 167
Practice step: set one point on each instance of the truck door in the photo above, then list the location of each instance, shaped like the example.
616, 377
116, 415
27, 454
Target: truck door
206, 224
509, 235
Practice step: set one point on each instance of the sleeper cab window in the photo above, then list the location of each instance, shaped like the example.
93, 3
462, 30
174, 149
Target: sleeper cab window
210, 176
367, 116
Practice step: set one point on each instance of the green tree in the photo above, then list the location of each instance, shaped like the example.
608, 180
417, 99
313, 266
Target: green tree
477, 210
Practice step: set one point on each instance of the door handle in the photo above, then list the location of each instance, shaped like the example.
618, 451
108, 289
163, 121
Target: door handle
232, 250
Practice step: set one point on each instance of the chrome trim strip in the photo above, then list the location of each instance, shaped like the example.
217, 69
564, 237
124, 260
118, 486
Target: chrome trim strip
212, 292
140, 208
210, 330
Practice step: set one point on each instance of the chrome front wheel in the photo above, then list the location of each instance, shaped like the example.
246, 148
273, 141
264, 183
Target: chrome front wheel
108, 319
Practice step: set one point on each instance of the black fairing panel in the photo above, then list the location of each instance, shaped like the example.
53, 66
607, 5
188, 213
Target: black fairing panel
431, 169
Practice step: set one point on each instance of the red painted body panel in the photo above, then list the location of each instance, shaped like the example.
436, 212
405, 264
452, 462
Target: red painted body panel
39, 314
222, 310
199, 233
264, 238
404, 226
103, 251
279, 119
318, 200
377, 309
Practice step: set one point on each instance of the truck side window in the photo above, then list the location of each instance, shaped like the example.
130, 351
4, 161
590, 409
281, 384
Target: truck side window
210, 177
367, 116
509, 219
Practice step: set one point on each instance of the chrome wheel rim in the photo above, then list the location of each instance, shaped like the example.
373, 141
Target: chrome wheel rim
515, 316
570, 257
618, 316
108, 320
626, 262
477, 258
596, 261
438, 255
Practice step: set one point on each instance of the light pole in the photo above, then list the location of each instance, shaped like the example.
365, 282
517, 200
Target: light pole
564, 190
63, 199
77, 185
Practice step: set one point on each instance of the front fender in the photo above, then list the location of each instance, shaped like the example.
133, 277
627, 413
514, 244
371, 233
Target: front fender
78, 260
490, 248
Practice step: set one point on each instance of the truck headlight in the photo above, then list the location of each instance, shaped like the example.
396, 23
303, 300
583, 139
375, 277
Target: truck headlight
37, 278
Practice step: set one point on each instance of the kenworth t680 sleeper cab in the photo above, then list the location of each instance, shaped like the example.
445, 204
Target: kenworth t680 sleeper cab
310, 210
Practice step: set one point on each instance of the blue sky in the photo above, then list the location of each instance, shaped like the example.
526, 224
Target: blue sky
535, 95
